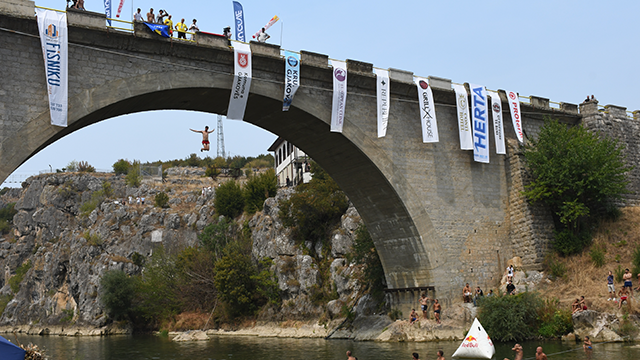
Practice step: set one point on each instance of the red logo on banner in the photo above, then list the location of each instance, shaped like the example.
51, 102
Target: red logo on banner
512, 95
423, 84
496, 108
243, 59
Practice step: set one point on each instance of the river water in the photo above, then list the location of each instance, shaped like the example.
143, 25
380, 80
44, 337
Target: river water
247, 347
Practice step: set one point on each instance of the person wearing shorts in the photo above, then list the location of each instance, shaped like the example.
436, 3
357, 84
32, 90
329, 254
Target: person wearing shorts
437, 308
424, 305
627, 281
205, 137
610, 287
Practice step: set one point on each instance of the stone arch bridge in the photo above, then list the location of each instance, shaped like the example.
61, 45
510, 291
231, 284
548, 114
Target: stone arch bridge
438, 218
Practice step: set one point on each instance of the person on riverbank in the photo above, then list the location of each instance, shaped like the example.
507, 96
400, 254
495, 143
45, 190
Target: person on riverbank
627, 281
437, 308
510, 272
349, 356
540, 355
205, 137
413, 316
575, 306
586, 344
424, 305
519, 354
511, 289
478, 295
415, 356
610, 287
624, 296
466, 293
440, 355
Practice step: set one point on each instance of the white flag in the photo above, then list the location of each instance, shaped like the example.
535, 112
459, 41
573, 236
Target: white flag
52, 26
339, 95
516, 119
241, 81
480, 123
382, 88
498, 126
427, 111
464, 121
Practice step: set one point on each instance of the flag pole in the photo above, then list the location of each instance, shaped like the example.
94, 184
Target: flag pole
281, 30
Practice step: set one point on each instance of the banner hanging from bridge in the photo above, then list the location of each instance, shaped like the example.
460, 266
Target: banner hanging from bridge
241, 81
480, 123
516, 119
339, 95
107, 10
52, 26
464, 122
427, 111
498, 126
238, 16
292, 78
383, 94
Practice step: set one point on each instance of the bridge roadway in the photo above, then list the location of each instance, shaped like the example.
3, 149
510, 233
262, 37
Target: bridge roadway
438, 218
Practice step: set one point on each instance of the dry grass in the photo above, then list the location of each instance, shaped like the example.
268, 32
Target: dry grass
188, 321
619, 239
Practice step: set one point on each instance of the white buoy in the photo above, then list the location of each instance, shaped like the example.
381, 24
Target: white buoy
476, 345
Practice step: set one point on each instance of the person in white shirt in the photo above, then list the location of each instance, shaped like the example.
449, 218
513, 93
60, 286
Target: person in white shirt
137, 16
193, 28
263, 36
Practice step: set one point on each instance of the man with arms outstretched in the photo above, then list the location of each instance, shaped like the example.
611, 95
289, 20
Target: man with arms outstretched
519, 354
205, 137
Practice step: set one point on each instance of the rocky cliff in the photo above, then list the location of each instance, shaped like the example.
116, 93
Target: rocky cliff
66, 246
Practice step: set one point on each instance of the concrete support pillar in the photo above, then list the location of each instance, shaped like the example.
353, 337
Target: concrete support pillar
589, 108
18, 8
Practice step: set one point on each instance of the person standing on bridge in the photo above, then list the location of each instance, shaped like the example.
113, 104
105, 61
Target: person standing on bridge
169, 23
205, 137
181, 27
137, 16
194, 28
263, 36
151, 17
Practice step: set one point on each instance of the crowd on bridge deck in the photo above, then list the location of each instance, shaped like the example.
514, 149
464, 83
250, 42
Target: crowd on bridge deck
76, 4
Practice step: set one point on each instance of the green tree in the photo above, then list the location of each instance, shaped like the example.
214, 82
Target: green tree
121, 167
215, 236
162, 200
134, 177
6, 218
229, 200
118, 291
576, 173
315, 207
258, 188
364, 253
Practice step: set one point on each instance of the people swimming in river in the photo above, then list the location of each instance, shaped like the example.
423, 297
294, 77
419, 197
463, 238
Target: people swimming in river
519, 354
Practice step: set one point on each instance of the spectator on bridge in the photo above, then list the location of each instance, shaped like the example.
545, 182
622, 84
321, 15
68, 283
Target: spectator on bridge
151, 17
194, 28
79, 5
181, 27
226, 32
137, 16
511, 289
467, 293
161, 17
593, 98
587, 99
263, 36
169, 23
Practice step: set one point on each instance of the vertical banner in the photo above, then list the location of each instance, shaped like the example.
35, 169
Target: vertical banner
238, 15
120, 8
498, 126
480, 123
514, 107
52, 26
427, 111
107, 10
241, 81
464, 120
339, 95
266, 27
383, 94
292, 78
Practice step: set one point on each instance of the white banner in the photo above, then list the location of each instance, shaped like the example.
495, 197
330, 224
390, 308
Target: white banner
498, 126
427, 111
292, 78
339, 95
464, 120
382, 88
241, 81
480, 123
53, 38
514, 107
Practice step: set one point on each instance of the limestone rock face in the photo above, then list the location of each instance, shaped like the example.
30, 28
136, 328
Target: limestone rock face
600, 326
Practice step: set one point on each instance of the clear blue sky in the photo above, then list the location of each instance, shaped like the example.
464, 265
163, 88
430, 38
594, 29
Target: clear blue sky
561, 50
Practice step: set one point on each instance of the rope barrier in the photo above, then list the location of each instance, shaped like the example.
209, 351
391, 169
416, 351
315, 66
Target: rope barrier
580, 348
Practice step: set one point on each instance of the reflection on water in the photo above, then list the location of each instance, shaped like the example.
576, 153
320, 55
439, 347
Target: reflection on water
245, 348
